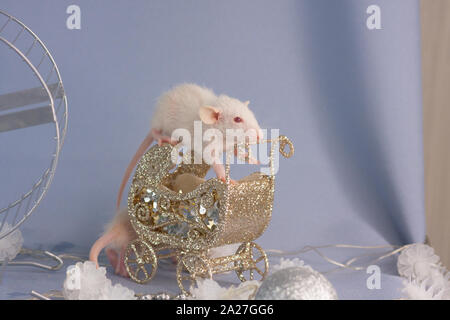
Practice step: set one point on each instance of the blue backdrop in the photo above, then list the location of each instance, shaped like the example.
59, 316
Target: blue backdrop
348, 97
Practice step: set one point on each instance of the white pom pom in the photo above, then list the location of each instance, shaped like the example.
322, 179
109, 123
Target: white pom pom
422, 290
417, 262
226, 250
84, 281
426, 278
11, 244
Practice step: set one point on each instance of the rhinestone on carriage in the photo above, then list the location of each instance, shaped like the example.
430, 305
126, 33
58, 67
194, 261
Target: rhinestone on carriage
149, 195
211, 225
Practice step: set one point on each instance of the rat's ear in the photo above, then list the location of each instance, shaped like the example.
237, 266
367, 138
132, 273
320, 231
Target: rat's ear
208, 114
247, 103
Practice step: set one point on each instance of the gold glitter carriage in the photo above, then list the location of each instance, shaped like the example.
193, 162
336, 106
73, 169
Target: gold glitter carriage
185, 223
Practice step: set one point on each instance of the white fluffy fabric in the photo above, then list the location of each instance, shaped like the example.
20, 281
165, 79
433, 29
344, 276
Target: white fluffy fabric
424, 290
11, 244
226, 250
417, 261
425, 277
85, 282
208, 289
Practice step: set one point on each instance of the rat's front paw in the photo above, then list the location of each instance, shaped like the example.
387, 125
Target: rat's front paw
166, 139
224, 180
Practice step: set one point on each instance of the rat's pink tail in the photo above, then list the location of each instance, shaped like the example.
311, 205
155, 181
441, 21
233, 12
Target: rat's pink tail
102, 242
139, 153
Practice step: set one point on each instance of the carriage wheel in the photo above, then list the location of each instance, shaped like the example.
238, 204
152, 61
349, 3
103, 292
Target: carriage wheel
253, 262
189, 268
140, 261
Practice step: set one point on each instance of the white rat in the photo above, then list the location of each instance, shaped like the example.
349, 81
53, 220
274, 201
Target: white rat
175, 109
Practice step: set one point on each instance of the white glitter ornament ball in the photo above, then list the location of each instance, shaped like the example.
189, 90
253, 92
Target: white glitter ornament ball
296, 283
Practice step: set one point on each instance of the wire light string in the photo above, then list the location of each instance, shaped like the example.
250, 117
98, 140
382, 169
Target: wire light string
348, 264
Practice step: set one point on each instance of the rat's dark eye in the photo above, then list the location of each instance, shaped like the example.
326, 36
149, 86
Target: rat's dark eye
237, 119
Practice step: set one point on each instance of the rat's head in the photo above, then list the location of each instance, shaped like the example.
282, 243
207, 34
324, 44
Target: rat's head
229, 113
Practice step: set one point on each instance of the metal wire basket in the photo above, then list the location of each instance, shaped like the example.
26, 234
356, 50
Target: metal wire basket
15, 111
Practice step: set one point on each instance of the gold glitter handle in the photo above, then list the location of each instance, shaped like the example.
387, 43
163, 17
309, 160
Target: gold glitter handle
284, 141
